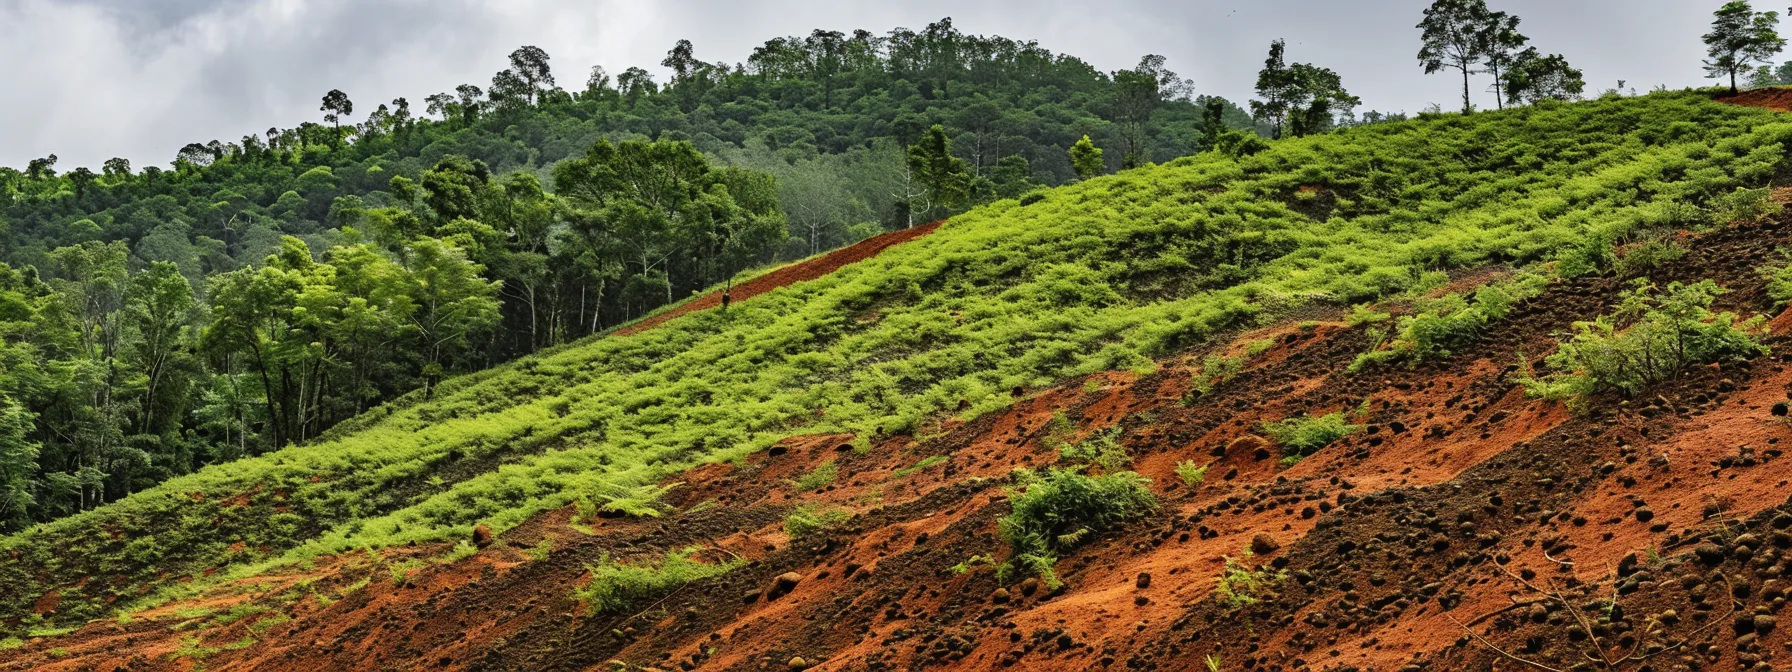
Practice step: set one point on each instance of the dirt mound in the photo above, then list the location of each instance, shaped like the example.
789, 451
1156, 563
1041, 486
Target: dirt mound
787, 275
1773, 98
1464, 527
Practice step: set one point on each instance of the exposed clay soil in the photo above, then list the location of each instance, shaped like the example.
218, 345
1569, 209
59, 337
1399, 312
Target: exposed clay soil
1773, 98
793, 273
1464, 518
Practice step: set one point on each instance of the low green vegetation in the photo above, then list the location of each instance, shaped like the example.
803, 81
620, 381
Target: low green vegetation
617, 588
822, 476
1301, 436
1648, 255
1241, 586
810, 519
1439, 326
1192, 475
1779, 280
1101, 449
924, 464
1003, 296
1651, 336
1062, 509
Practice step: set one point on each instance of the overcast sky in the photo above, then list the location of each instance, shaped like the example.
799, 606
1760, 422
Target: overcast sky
92, 79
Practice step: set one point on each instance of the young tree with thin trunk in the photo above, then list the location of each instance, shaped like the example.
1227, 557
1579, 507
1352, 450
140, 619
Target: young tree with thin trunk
1455, 37
1741, 37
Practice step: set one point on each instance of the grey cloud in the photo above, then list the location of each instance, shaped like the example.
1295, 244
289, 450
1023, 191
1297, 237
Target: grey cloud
91, 79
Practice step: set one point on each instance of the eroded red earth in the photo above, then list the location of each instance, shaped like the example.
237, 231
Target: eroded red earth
1467, 526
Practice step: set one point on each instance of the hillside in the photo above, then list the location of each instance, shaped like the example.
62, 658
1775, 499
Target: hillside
252, 294
1328, 363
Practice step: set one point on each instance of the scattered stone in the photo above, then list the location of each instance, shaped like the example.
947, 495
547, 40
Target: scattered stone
798, 664
1144, 580
1264, 544
482, 536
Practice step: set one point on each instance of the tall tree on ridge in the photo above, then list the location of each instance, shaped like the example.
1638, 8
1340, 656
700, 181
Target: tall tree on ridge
1455, 36
1739, 38
1503, 43
530, 63
336, 106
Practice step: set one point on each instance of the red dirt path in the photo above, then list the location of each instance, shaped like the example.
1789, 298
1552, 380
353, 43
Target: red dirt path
794, 273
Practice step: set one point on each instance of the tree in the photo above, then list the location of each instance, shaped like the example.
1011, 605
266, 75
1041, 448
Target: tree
1137, 93
18, 464
160, 310
1085, 157
947, 181
336, 106
453, 303
1739, 38
682, 60
530, 64
1302, 98
1533, 78
1504, 45
1455, 36
1012, 176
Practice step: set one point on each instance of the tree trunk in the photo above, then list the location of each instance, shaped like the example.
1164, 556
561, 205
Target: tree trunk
1466, 106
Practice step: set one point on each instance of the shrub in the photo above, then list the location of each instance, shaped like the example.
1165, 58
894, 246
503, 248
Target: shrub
822, 476
1103, 449
1745, 206
1442, 325
1192, 475
1779, 282
809, 519
1060, 510
1650, 337
615, 588
1303, 436
1240, 586
1648, 256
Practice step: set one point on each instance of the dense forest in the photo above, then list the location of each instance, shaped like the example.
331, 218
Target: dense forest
259, 291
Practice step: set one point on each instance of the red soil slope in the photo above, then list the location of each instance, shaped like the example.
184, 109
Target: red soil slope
794, 273
1465, 518
1776, 99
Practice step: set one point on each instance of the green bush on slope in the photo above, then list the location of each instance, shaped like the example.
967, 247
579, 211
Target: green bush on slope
1002, 297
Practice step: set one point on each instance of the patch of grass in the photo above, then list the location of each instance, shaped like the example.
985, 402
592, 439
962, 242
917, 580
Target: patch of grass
11, 643
1303, 436
191, 647
1365, 314
1241, 586
822, 476
540, 550
1062, 509
1648, 256
1442, 325
237, 613
193, 612
1101, 449
617, 588
1651, 336
261, 626
810, 519
972, 563
1779, 281
400, 572
1192, 474
925, 463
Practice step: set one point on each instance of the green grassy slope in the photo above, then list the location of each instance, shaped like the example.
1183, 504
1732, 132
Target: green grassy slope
1102, 275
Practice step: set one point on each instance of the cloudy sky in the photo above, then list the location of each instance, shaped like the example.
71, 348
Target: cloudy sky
92, 79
